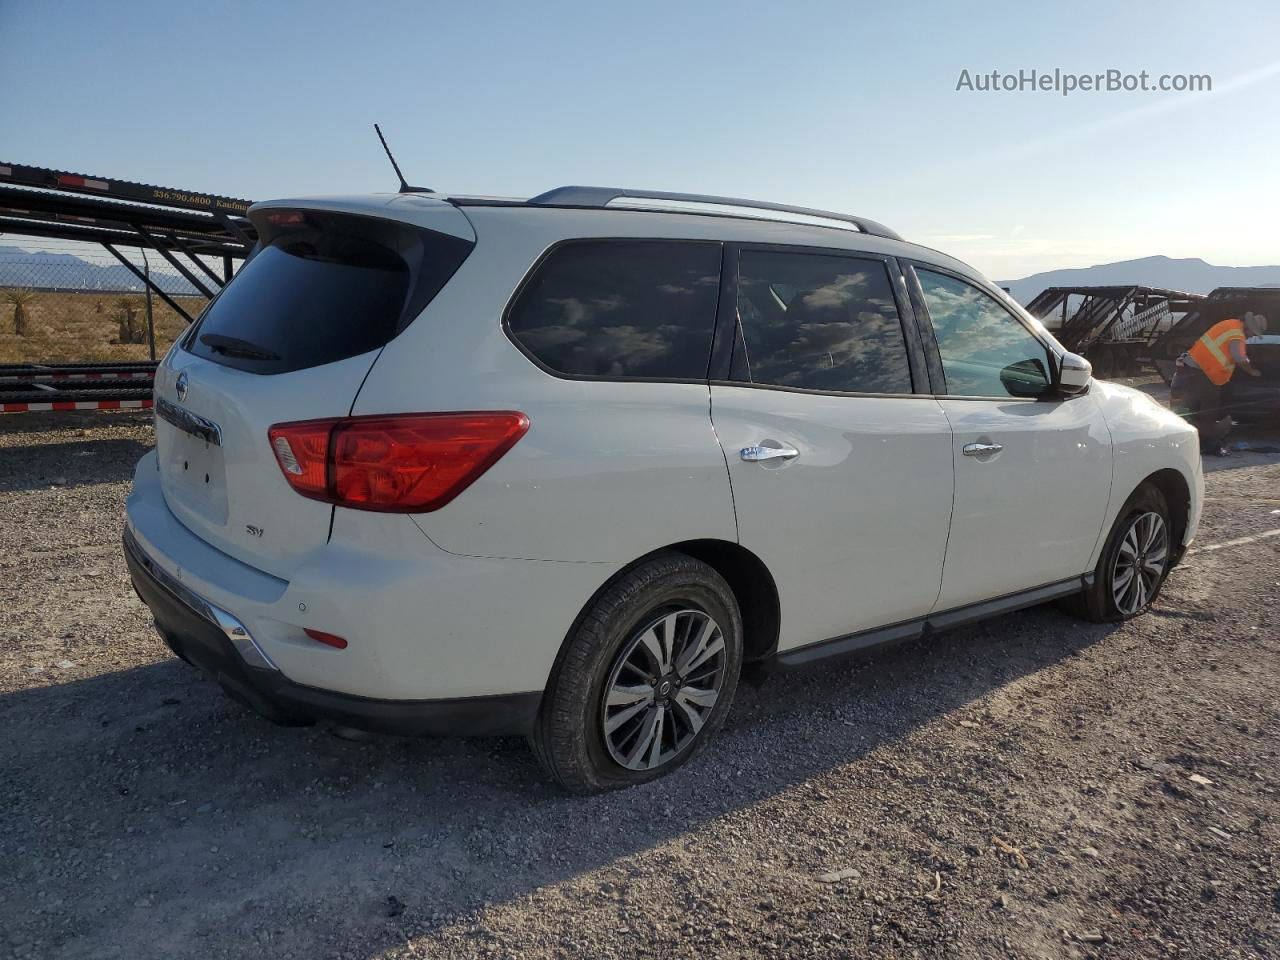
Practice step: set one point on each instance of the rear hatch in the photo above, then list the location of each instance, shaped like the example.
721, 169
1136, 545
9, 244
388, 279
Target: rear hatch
290, 338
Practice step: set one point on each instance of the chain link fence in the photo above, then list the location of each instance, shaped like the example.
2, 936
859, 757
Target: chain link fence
64, 301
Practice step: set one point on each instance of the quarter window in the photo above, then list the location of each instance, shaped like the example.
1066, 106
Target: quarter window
641, 309
819, 322
985, 351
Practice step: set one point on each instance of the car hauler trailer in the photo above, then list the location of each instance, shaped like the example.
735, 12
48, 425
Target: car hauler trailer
201, 236
1114, 326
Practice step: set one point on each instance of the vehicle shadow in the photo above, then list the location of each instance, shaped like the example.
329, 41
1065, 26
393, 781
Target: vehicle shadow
147, 812
1261, 446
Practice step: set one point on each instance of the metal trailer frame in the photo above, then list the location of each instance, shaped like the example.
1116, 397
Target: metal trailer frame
1114, 326
31, 387
41, 202
183, 226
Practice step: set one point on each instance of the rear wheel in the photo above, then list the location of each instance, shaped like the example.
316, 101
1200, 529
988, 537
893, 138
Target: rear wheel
645, 680
1134, 562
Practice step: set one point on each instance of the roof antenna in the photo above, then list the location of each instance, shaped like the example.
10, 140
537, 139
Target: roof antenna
404, 186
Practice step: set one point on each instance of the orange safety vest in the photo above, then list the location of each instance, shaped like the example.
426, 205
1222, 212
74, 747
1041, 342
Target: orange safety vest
1212, 353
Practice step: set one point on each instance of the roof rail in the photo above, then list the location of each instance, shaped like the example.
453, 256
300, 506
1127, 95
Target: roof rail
602, 196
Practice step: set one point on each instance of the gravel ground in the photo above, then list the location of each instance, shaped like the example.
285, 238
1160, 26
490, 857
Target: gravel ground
1030, 787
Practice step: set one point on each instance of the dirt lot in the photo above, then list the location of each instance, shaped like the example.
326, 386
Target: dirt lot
1031, 787
69, 327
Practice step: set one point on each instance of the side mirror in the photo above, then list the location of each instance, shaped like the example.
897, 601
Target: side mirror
1074, 374
1027, 379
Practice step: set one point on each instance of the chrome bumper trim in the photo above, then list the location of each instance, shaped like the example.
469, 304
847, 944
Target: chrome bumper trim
235, 631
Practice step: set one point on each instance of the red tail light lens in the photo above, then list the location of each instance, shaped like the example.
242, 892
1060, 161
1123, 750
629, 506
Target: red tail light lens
410, 463
302, 450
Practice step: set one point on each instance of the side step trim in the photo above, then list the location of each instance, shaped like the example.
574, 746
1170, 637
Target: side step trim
934, 623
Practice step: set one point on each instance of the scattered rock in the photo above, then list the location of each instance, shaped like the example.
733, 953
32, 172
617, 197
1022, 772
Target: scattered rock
1202, 781
395, 906
835, 876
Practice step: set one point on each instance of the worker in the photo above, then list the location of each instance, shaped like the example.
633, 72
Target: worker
1202, 372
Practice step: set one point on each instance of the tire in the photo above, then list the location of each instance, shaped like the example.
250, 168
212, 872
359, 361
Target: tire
668, 600
1106, 601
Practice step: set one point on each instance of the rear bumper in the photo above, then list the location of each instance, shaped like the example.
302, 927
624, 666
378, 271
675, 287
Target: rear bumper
215, 641
423, 625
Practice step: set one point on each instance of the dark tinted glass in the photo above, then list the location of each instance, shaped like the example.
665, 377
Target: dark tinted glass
985, 351
820, 322
330, 288
622, 308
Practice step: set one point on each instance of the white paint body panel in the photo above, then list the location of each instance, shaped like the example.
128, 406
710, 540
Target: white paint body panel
477, 597
247, 483
1145, 438
422, 624
1032, 513
607, 472
854, 529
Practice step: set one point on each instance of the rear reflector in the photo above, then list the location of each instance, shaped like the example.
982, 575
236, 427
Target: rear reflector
406, 463
331, 639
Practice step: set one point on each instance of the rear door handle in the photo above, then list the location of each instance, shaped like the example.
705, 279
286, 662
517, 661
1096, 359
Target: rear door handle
756, 454
980, 449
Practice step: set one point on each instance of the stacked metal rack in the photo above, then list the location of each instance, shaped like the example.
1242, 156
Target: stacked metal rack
32, 387
201, 236
1114, 326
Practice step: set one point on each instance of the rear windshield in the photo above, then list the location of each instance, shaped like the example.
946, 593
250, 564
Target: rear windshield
322, 288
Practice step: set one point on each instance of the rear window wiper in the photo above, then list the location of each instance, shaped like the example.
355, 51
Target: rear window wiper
235, 347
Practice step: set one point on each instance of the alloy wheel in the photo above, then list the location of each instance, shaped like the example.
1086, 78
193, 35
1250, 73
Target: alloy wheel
1140, 562
662, 688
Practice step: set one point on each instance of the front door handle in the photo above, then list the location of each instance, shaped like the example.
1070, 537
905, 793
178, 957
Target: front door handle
980, 449
756, 454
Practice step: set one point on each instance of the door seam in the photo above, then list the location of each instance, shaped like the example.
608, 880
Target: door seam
728, 474
951, 517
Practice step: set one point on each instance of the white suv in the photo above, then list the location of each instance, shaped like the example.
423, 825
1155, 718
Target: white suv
569, 469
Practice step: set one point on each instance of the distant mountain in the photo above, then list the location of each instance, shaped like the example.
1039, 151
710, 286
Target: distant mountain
1190, 275
63, 271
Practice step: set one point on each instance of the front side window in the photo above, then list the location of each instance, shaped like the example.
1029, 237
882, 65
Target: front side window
985, 351
633, 309
819, 322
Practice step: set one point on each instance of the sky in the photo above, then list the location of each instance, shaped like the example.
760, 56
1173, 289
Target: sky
847, 106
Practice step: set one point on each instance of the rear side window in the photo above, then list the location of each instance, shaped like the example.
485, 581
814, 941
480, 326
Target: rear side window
819, 322
323, 287
637, 309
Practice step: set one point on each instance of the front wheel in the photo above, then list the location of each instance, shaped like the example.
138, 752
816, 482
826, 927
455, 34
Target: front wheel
645, 680
1134, 562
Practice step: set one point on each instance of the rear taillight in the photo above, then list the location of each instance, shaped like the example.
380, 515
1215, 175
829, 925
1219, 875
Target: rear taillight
408, 463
